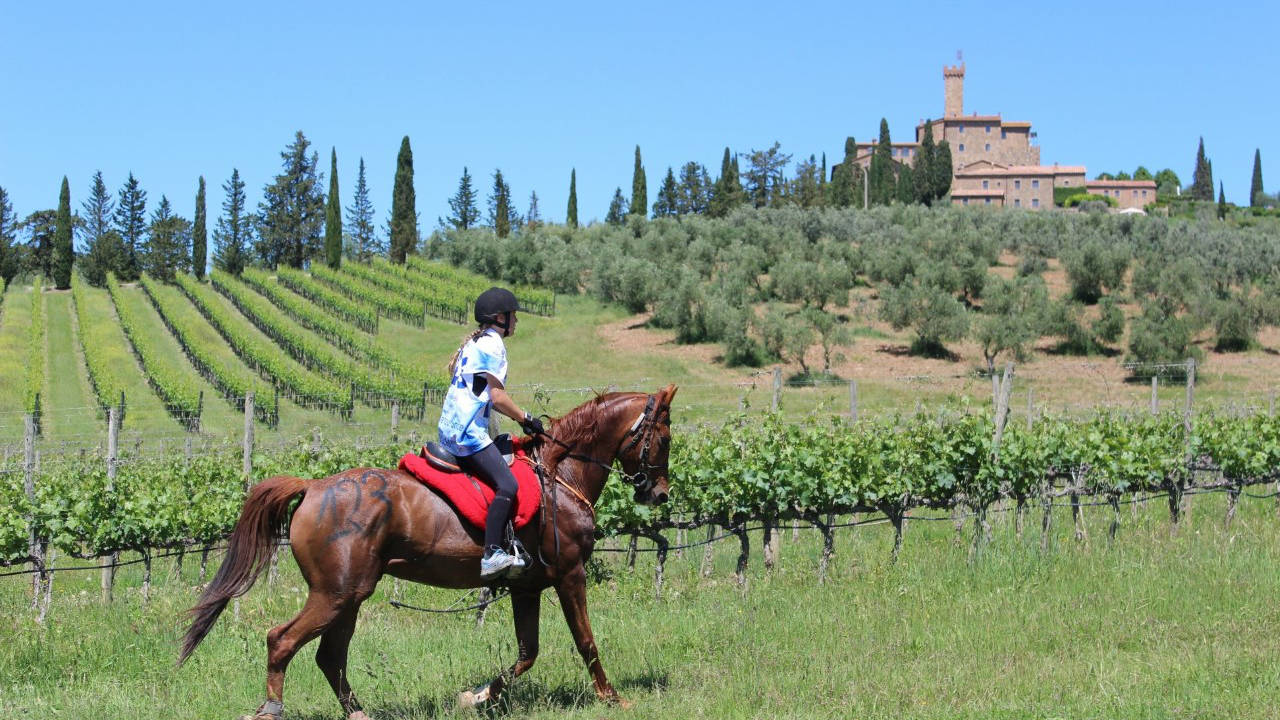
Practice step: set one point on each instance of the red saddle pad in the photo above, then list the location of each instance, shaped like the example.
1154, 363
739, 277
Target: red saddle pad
471, 497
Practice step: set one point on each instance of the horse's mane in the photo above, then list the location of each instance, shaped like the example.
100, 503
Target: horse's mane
576, 426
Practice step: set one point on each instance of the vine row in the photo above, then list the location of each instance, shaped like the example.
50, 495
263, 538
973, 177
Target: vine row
539, 301
331, 300
387, 302
181, 398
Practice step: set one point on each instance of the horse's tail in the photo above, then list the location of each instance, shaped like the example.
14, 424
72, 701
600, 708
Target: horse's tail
266, 511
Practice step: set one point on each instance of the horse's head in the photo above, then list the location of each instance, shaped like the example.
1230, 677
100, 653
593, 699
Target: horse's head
645, 447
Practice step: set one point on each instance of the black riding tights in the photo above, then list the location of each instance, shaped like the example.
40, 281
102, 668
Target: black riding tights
489, 466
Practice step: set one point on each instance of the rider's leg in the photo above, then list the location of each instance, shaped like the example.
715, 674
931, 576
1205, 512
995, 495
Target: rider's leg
489, 466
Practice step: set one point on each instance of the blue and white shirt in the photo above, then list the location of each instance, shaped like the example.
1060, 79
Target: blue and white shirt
464, 419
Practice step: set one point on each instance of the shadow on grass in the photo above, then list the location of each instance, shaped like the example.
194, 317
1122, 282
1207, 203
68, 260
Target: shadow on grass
522, 697
931, 351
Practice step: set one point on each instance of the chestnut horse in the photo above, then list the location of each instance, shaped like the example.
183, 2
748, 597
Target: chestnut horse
354, 527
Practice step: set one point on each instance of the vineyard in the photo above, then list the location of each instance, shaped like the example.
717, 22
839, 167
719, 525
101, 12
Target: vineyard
306, 345
756, 469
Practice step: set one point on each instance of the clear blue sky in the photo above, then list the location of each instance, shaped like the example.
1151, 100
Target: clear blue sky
172, 91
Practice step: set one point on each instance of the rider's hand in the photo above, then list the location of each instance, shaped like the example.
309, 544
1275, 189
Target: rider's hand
532, 425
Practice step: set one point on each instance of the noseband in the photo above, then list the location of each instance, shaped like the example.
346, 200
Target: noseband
642, 432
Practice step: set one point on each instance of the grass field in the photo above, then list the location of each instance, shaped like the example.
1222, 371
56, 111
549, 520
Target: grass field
1152, 625
69, 408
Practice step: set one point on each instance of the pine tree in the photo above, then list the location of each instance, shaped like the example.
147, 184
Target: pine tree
463, 204
922, 173
1256, 192
571, 214
361, 230
881, 176
64, 253
103, 250
727, 193
234, 232
199, 235
291, 214
941, 169
807, 192
1222, 203
404, 214
617, 209
694, 194
500, 206
333, 216
665, 204
534, 218
639, 189
1202, 177
41, 228
8, 239
168, 249
131, 223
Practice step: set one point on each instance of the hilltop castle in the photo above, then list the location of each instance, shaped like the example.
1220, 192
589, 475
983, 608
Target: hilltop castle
994, 161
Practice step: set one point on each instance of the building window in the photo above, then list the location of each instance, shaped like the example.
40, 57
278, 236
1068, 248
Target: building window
1035, 184
964, 201
960, 129
1017, 202
988, 129
961, 147
1035, 202
1144, 193
986, 201
1004, 134
985, 184
1017, 184
1135, 193
988, 147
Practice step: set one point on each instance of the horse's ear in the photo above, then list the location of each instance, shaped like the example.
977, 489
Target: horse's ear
668, 393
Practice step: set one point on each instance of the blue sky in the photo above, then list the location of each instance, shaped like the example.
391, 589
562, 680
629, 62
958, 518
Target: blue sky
172, 91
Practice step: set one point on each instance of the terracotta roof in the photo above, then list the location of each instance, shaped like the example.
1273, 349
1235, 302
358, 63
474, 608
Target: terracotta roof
1136, 184
1017, 124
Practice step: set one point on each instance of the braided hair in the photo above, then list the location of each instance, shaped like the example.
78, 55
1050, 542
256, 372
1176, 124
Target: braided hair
453, 362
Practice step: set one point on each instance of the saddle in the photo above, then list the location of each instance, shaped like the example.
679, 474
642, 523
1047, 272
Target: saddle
438, 469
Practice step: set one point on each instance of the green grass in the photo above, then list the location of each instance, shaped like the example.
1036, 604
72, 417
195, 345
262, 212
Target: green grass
15, 328
69, 408
1148, 626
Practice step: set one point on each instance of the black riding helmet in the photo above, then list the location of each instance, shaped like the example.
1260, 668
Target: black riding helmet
493, 303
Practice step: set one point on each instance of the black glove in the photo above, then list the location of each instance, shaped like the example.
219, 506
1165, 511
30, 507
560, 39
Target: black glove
532, 425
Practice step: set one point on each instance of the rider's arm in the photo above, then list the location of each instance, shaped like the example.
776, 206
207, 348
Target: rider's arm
502, 402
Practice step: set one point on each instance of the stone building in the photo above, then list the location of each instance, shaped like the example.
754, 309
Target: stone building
996, 162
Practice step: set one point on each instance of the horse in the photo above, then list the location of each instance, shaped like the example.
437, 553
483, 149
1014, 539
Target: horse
351, 529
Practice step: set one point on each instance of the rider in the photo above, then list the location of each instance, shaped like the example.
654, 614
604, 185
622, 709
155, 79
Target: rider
479, 375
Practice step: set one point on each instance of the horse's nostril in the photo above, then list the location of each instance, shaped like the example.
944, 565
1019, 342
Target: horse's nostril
659, 498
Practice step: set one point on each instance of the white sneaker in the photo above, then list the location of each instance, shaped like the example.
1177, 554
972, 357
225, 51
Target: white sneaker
497, 561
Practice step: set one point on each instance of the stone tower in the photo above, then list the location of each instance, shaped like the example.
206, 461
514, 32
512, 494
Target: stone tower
953, 90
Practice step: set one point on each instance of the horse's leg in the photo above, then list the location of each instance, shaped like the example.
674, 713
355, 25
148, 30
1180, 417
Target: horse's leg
524, 608
572, 591
332, 659
319, 612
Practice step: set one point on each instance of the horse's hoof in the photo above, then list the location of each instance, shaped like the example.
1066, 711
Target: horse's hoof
473, 698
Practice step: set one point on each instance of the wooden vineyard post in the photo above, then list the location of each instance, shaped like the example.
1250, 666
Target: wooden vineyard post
395, 421
1155, 397
770, 541
1031, 407
35, 546
777, 387
744, 556
708, 551
662, 543
113, 450
247, 456
853, 400
1185, 509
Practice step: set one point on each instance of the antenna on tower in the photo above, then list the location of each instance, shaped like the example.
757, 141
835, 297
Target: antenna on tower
960, 56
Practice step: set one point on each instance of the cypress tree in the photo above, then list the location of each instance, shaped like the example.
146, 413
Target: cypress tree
8, 239
500, 206
465, 213
131, 223
822, 179
1202, 177
404, 214
905, 189
727, 193
639, 188
922, 173
571, 214
881, 176
231, 236
1255, 185
941, 169
1222, 203
360, 228
534, 218
665, 205
199, 235
333, 216
64, 253
617, 209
